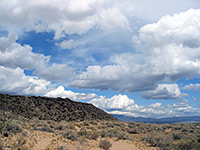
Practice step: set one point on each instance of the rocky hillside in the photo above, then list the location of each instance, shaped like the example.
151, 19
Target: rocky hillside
56, 109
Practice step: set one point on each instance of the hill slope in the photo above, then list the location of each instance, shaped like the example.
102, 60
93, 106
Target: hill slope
56, 109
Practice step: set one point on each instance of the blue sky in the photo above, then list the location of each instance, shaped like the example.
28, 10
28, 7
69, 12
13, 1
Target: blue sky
137, 58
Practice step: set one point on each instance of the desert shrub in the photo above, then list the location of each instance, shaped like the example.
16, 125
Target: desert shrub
70, 134
51, 123
60, 127
86, 123
177, 135
132, 131
123, 136
159, 139
24, 134
70, 125
82, 132
12, 127
93, 123
78, 146
177, 127
112, 133
92, 135
21, 141
82, 139
188, 145
105, 144
44, 127
103, 133
1, 126
61, 147
110, 125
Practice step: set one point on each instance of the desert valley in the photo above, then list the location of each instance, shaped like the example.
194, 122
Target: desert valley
42, 123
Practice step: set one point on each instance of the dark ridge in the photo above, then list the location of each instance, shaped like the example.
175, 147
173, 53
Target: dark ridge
57, 109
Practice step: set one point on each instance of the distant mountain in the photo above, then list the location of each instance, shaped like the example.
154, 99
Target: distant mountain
56, 109
158, 121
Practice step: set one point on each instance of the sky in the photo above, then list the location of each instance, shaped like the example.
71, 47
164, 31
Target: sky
134, 58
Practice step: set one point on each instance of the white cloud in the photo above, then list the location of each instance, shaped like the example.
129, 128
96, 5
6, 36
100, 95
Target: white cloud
164, 91
14, 55
115, 102
117, 77
194, 87
168, 50
112, 17
156, 105
14, 81
123, 105
60, 73
63, 17
66, 44
172, 42
61, 92
97, 77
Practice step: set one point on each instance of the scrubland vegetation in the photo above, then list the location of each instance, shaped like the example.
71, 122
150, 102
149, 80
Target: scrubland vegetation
166, 136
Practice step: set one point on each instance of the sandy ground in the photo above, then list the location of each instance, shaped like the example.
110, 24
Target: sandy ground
121, 145
38, 140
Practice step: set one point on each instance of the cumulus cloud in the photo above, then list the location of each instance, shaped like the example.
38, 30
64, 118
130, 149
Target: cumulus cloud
123, 105
115, 102
16, 82
164, 91
14, 55
63, 17
168, 50
172, 42
97, 77
194, 87
116, 77
61, 92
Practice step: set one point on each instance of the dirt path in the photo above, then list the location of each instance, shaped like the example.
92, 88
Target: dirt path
119, 145
42, 144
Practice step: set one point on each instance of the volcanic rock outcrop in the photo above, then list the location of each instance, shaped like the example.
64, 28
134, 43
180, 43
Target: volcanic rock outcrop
56, 109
